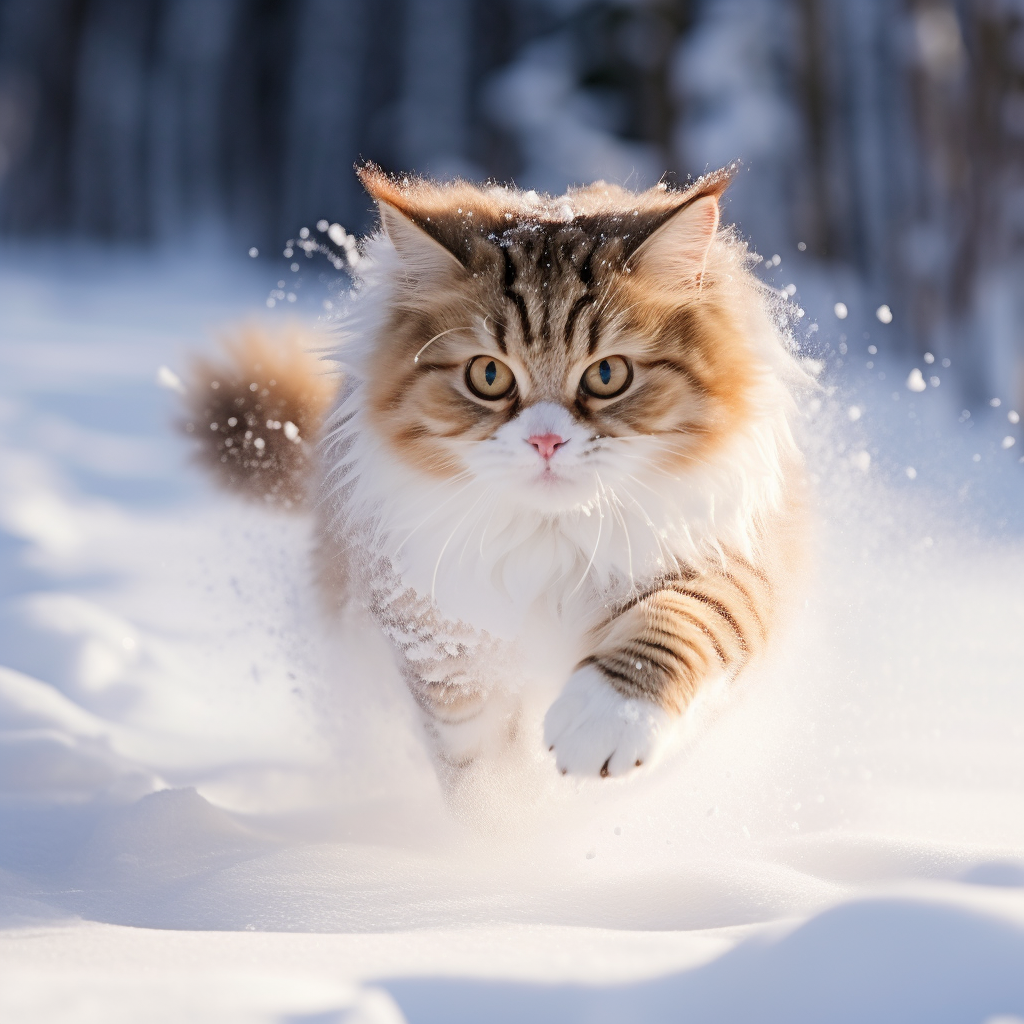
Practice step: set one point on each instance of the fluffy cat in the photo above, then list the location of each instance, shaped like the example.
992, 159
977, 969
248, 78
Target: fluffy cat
558, 470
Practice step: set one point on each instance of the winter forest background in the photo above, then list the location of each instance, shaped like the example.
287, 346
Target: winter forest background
887, 136
217, 803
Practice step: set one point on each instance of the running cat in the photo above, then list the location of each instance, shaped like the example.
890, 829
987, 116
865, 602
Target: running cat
558, 469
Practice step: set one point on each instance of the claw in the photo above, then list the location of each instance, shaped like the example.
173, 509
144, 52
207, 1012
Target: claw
590, 719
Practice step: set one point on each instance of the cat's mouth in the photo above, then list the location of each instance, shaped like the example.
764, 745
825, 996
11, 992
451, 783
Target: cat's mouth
553, 488
551, 484
549, 475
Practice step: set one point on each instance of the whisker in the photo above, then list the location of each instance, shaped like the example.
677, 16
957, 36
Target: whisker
625, 529
673, 449
593, 554
469, 533
437, 566
659, 470
451, 330
437, 508
662, 443
346, 478
487, 526
642, 483
665, 553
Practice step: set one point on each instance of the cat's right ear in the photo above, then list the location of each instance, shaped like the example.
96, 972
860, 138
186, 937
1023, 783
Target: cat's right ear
425, 259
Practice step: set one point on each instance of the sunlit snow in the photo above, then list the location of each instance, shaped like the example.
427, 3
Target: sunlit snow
215, 803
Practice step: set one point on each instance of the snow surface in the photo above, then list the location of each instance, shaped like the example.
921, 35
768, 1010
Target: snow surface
213, 807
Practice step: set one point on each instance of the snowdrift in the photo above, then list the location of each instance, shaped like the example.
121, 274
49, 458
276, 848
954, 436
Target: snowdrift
215, 806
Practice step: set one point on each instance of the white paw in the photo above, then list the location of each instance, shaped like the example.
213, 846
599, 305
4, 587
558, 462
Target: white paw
594, 730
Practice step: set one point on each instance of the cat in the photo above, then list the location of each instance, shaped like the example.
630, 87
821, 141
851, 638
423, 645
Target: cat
558, 467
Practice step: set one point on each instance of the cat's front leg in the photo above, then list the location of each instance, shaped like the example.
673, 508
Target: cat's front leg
463, 718
648, 663
458, 674
596, 729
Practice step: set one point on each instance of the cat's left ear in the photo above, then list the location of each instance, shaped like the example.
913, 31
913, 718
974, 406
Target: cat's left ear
677, 251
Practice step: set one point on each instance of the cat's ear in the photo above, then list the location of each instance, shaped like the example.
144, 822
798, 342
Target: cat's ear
409, 210
425, 258
677, 251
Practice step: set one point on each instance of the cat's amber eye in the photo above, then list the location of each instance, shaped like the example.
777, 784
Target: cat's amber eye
608, 377
489, 378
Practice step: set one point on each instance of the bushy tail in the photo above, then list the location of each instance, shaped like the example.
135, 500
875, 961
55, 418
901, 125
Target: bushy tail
257, 411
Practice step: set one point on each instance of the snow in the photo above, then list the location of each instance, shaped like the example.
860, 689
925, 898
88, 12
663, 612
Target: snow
915, 380
213, 807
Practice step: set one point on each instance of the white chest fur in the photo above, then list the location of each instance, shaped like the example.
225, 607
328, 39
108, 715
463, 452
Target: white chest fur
461, 565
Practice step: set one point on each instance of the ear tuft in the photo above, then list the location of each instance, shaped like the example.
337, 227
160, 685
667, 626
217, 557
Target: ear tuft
677, 252
378, 183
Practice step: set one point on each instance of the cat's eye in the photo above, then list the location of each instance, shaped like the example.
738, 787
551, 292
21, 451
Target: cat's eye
489, 378
608, 377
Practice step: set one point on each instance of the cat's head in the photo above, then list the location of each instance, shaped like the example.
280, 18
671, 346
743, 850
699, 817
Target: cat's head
553, 347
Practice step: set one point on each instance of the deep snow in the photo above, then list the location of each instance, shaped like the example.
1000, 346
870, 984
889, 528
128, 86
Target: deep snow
184, 747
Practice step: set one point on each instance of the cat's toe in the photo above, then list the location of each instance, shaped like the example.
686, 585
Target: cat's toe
635, 747
594, 730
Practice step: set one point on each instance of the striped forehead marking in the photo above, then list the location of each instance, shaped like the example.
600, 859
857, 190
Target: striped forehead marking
547, 262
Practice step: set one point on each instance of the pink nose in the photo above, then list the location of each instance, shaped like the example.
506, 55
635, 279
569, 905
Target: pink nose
546, 444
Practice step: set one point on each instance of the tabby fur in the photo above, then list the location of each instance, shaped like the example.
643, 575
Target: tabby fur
595, 581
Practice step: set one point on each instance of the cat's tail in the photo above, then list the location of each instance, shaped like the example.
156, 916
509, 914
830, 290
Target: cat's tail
256, 412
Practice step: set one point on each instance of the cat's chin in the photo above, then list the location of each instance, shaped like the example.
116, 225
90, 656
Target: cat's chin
551, 494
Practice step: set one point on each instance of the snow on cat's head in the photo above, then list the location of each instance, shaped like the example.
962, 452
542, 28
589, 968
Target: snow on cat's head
559, 349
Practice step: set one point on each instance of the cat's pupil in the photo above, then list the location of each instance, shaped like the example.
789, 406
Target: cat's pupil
605, 371
490, 372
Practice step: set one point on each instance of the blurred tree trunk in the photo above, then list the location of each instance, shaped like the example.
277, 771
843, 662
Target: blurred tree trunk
38, 53
888, 135
185, 129
324, 104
